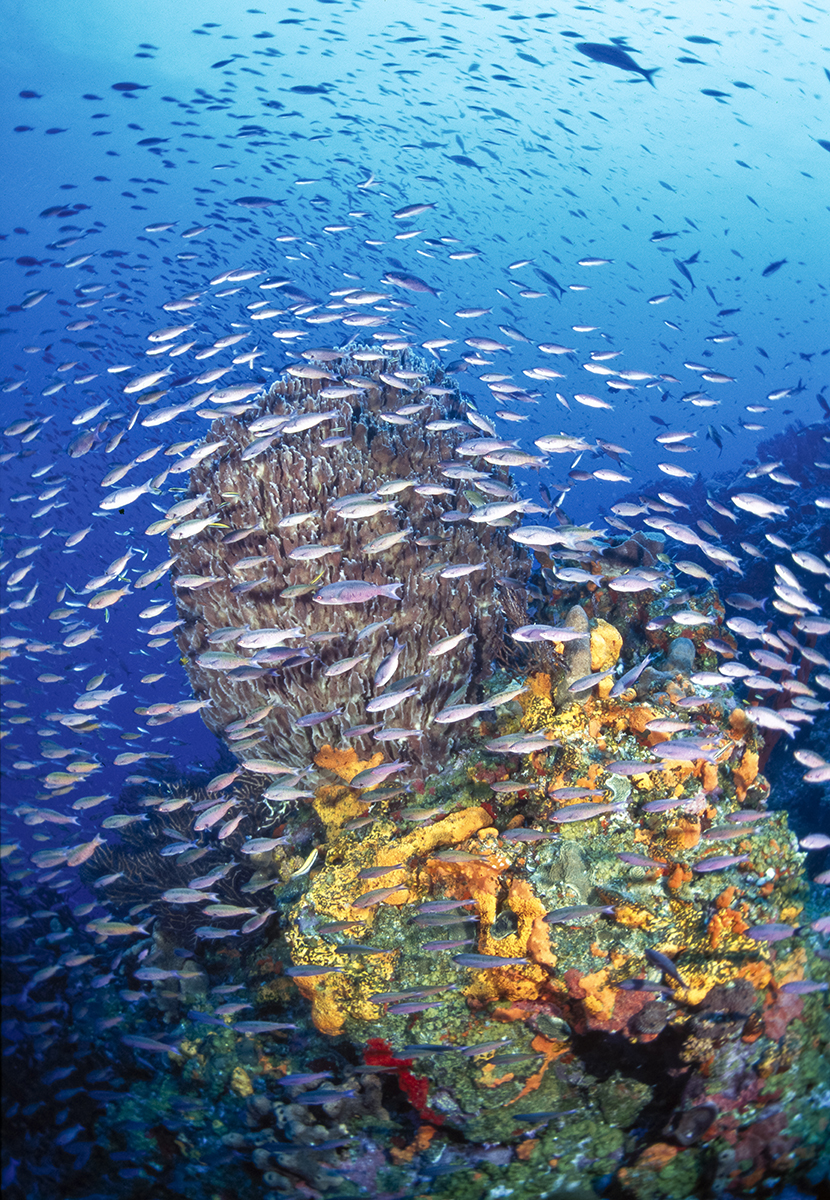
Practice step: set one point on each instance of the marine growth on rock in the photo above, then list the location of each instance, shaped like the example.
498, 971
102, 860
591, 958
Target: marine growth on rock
355, 468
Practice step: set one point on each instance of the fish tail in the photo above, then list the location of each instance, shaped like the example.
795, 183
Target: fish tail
648, 72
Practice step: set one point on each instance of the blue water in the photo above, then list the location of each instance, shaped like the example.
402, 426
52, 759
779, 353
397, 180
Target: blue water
705, 195
574, 160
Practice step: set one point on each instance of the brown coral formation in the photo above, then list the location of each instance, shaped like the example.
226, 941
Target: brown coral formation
385, 431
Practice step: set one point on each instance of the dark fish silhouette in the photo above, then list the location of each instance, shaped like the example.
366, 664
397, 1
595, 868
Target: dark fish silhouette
684, 271
615, 56
663, 963
548, 278
464, 161
256, 202
773, 267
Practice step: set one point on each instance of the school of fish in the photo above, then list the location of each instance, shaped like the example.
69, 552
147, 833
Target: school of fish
320, 501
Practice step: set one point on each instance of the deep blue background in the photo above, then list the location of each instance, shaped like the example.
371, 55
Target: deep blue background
527, 150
